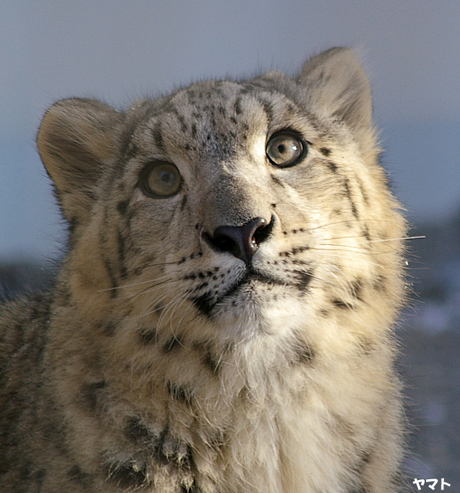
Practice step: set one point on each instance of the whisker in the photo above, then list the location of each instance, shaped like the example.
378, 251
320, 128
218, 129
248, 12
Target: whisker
348, 249
153, 305
149, 289
125, 286
336, 223
168, 310
375, 241
140, 282
398, 239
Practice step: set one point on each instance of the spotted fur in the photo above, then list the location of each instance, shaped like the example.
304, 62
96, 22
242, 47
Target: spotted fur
234, 336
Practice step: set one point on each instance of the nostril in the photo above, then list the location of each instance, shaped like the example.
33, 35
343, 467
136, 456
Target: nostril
263, 232
241, 241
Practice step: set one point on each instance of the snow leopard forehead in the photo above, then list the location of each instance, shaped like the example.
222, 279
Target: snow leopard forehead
217, 120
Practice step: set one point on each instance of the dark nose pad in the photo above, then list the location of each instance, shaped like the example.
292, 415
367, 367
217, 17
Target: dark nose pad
241, 241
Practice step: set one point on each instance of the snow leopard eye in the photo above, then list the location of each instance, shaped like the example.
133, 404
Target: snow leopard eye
160, 179
286, 148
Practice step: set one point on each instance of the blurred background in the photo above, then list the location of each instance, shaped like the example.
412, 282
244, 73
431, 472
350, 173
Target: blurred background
121, 50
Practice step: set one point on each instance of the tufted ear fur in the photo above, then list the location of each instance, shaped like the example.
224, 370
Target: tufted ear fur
338, 87
75, 139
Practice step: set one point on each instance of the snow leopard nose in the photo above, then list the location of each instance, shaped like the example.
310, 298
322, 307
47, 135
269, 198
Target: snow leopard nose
241, 241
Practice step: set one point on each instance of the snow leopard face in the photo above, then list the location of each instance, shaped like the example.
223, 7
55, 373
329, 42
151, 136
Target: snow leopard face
254, 204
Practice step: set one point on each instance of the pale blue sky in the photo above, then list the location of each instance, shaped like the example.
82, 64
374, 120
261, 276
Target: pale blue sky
119, 50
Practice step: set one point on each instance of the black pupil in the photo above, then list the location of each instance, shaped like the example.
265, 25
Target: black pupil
167, 177
287, 149
281, 148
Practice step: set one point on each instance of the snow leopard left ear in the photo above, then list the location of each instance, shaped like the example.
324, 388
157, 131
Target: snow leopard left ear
77, 138
338, 87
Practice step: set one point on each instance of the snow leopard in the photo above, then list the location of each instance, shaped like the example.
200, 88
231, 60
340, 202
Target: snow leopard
224, 318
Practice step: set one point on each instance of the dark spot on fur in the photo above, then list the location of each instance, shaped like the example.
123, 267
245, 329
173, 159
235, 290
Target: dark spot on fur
76, 475
366, 232
237, 106
158, 138
29, 475
217, 440
121, 255
276, 180
110, 329
359, 470
160, 446
354, 210
204, 303
332, 166
180, 393
25, 471
397, 479
342, 426
184, 461
357, 289
183, 203
128, 147
113, 281
267, 106
363, 192
342, 304
325, 151
211, 362
39, 476
122, 206
169, 450
379, 283
136, 431
303, 279
92, 393
303, 353
73, 225
183, 123
365, 458
6, 466
173, 344
297, 250
148, 336
194, 131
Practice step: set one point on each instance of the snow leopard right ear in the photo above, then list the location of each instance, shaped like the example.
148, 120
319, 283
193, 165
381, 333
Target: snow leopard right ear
338, 87
76, 138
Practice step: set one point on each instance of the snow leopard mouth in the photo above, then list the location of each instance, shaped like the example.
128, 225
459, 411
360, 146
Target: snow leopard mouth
209, 300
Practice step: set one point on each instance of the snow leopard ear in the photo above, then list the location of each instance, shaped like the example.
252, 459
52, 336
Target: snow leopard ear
338, 87
75, 139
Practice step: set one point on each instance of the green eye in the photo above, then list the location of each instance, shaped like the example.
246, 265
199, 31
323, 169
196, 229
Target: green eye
286, 148
160, 179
